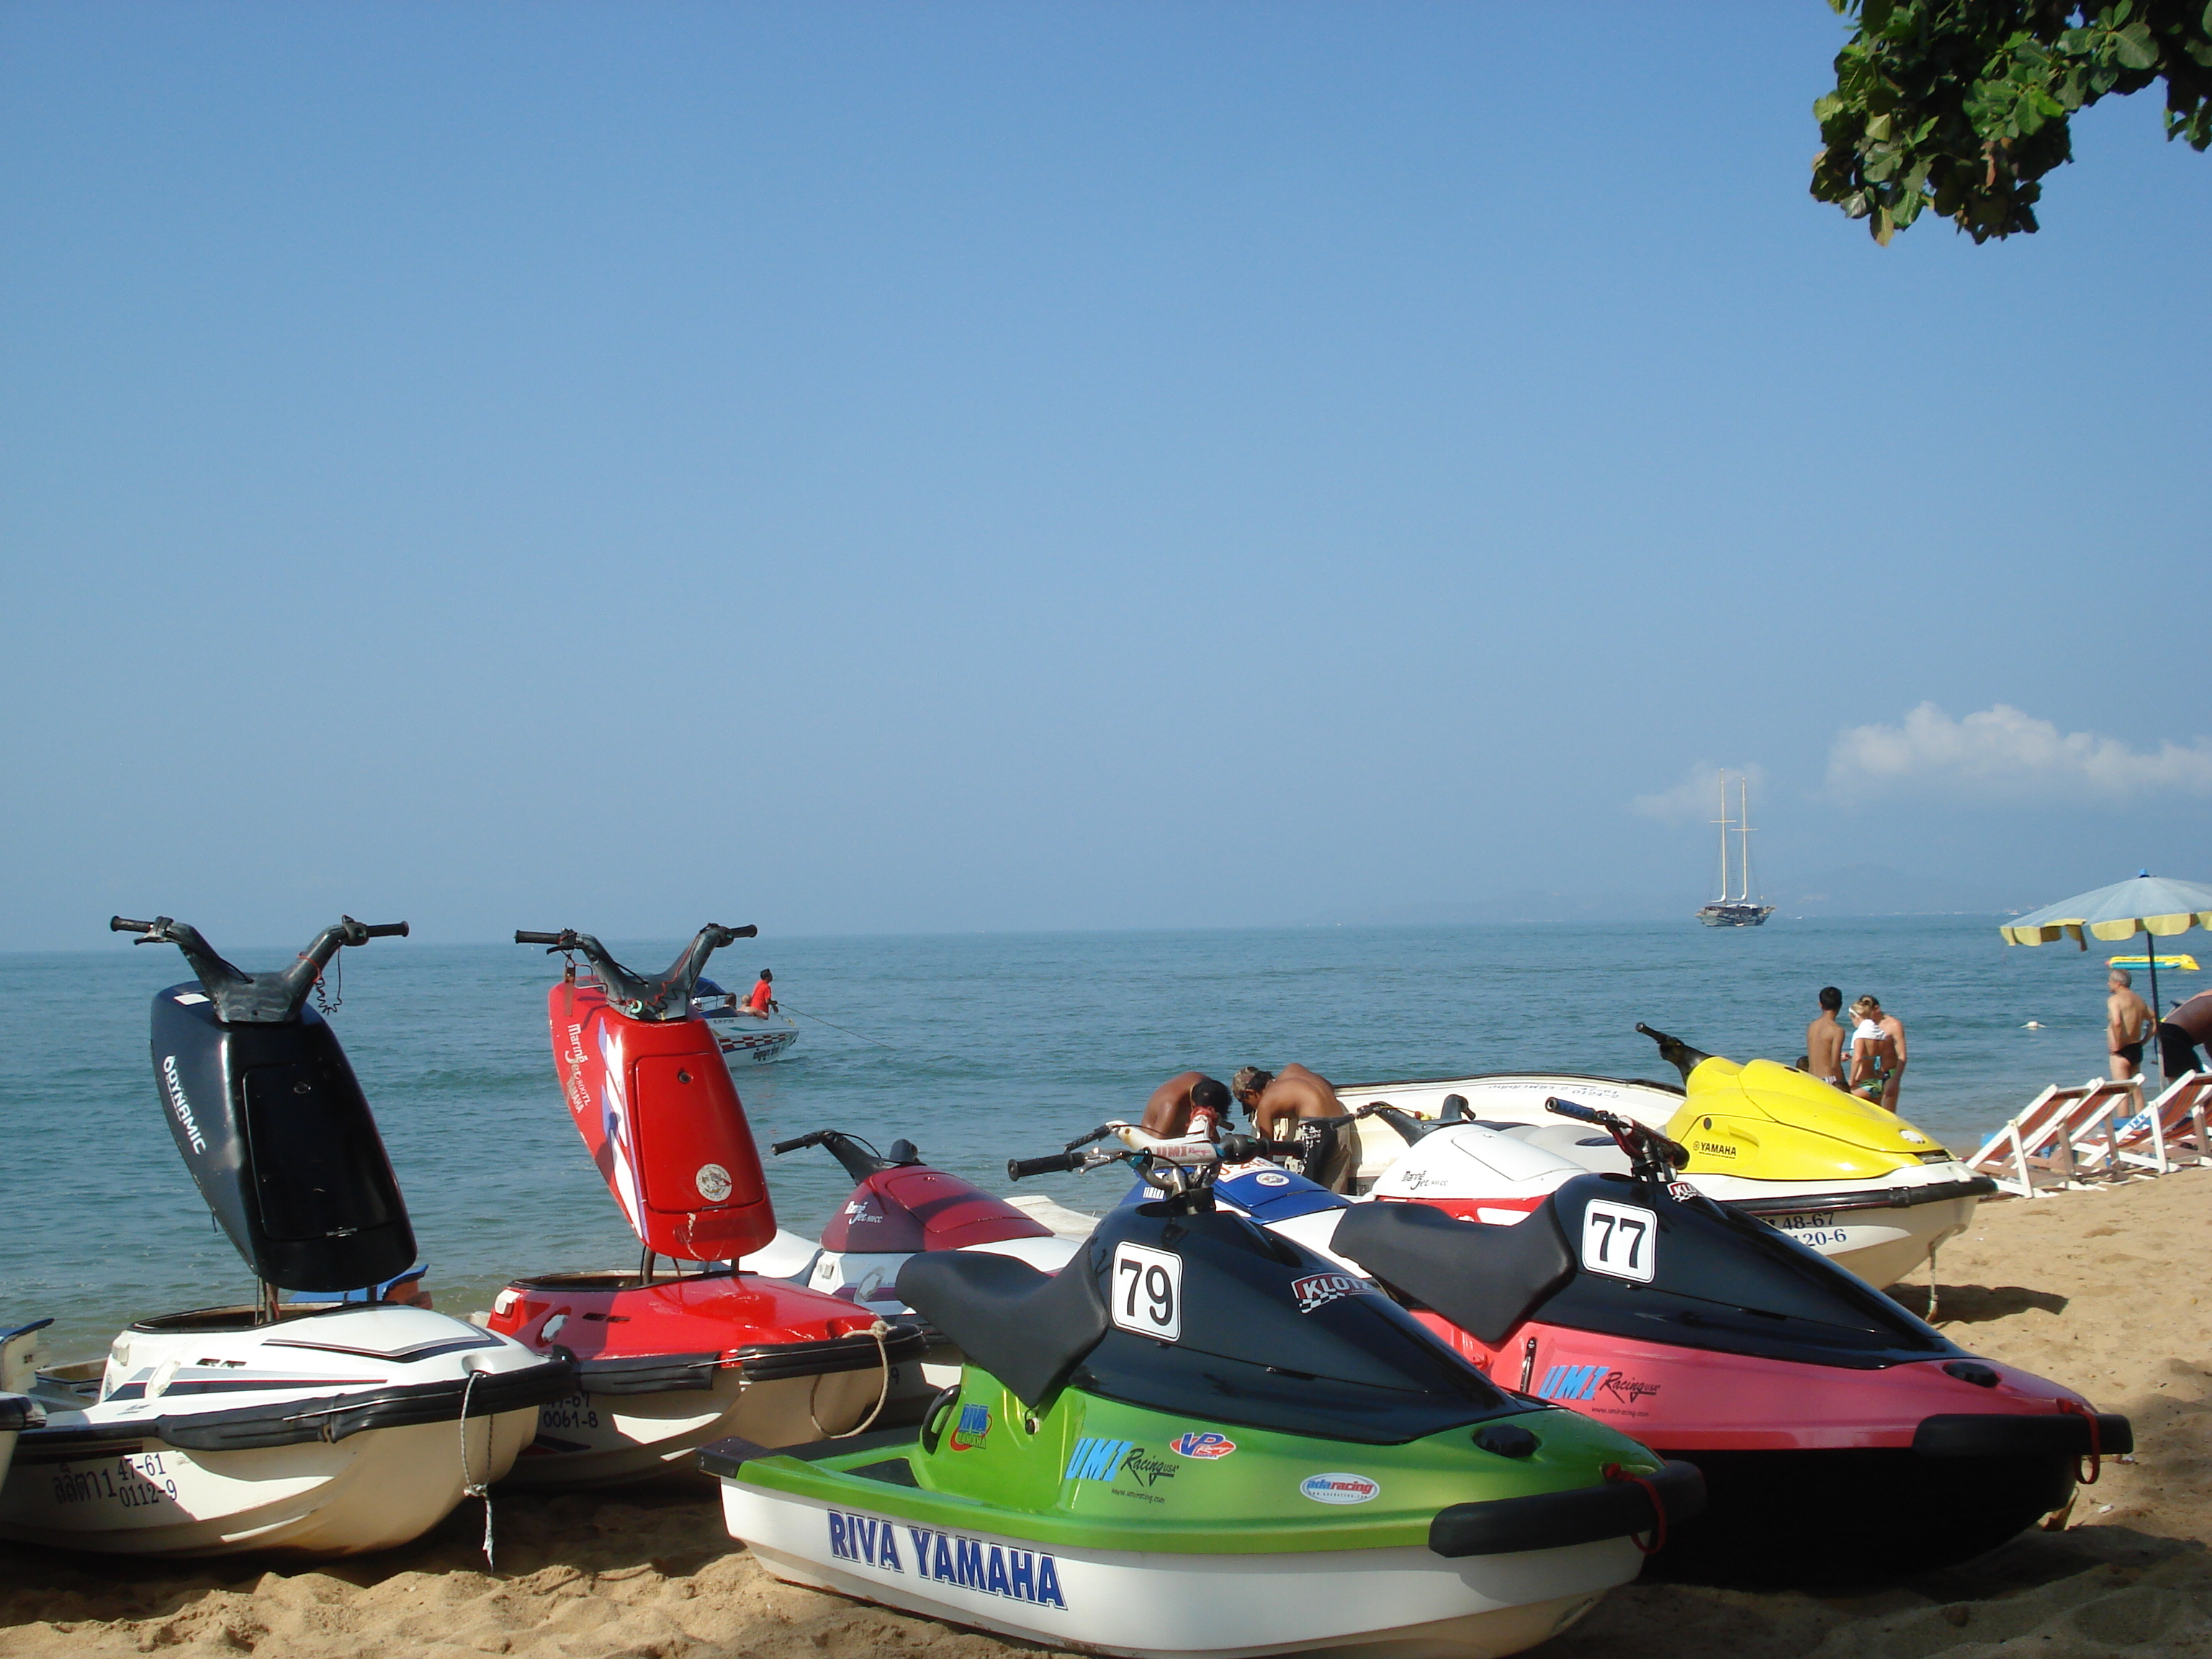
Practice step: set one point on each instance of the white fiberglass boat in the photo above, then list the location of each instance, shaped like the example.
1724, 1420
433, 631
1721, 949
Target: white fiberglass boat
316, 1430
746, 1040
18, 1411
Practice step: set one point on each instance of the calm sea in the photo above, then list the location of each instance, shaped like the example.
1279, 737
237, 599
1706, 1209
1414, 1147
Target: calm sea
982, 1047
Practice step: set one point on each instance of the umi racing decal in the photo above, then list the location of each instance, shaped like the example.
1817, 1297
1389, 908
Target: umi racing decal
1593, 1383
1319, 1290
947, 1558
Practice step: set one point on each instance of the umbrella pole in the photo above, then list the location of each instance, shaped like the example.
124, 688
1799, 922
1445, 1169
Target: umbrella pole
2151, 953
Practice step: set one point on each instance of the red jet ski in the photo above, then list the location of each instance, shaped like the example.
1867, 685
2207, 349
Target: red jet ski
1841, 1438
901, 1207
666, 1363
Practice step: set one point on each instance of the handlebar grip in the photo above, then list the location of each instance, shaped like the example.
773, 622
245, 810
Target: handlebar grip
750, 930
386, 930
1020, 1169
521, 937
125, 924
1576, 1110
782, 1147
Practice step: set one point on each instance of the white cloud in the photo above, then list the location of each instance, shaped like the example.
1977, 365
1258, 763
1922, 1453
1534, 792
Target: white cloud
1698, 796
2002, 751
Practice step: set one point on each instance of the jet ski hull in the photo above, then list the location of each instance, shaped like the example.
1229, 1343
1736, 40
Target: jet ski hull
661, 1368
329, 1435
1148, 1605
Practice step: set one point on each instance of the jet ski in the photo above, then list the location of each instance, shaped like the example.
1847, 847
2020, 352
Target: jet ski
315, 1430
1841, 1438
1849, 1179
901, 1206
667, 1361
1201, 1438
18, 1367
745, 1040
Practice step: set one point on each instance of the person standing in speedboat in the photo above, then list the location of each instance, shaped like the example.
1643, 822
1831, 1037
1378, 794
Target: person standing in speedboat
761, 998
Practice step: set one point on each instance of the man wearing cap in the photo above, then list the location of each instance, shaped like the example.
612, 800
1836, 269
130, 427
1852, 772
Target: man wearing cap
1187, 1103
1301, 1105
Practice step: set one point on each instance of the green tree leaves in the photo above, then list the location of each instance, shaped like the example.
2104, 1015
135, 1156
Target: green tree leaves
1962, 106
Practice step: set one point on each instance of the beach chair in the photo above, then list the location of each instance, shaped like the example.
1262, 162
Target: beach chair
2046, 1148
2170, 1131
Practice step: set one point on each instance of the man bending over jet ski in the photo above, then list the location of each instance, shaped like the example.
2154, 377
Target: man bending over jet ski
1187, 1103
1301, 1105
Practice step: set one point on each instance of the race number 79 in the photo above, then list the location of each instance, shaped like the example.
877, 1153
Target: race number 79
1148, 1292
1620, 1240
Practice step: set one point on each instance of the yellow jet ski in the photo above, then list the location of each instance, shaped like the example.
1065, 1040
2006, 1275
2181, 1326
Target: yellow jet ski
1856, 1182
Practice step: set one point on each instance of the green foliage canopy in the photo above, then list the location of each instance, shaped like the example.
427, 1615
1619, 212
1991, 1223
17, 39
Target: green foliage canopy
1963, 105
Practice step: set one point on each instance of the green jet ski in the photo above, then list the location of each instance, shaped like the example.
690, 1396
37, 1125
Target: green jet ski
1201, 1438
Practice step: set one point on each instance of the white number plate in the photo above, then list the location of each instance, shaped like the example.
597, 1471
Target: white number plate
1620, 1239
1148, 1292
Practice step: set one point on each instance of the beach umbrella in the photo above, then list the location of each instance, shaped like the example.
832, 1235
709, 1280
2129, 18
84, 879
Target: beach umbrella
2150, 905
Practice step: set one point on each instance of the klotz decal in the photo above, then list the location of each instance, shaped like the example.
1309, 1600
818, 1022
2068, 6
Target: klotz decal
1319, 1290
969, 1432
969, 1564
1203, 1444
1339, 1488
713, 1182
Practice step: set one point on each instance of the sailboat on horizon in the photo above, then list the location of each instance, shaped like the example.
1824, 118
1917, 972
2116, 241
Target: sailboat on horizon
1739, 909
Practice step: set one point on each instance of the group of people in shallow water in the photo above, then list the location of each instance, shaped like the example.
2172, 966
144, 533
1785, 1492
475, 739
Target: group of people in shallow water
1294, 1104
1866, 1057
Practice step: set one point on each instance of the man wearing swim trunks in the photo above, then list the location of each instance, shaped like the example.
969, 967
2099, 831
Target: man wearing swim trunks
2181, 1031
1824, 1040
1301, 1105
1877, 1052
2127, 1021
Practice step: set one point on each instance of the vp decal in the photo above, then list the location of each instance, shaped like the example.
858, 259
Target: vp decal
1202, 1444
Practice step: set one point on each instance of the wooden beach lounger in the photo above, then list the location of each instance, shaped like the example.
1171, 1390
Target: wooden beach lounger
2052, 1146
2170, 1131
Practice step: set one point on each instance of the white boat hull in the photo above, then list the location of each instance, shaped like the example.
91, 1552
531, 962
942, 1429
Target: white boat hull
746, 1041
1148, 1606
600, 1439
324, 1435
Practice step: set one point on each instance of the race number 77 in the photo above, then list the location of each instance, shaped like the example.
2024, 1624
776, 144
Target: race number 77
1620, 1240
1147, 1293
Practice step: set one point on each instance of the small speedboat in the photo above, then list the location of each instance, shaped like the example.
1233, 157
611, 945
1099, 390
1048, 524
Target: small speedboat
745, 1039
1841, 1438
668, 1360
1849, 1179
316, 1430
899, 1207
1199, 1438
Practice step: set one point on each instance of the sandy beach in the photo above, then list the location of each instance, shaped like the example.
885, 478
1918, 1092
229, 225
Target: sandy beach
2084, 1287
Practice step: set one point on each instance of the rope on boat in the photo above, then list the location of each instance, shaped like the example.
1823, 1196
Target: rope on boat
477, 1488
831, 1023
2088, 1477
1613, 1472
879, 1330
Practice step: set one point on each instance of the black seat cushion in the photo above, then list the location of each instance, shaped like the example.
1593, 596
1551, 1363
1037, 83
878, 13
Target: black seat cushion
1027, 1328
1483, 1278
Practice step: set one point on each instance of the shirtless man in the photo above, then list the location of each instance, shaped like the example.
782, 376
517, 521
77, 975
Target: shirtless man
2127, 1021
1187, 1103
1877, 1052
1301, 1105
2181, 1031
1824, 1040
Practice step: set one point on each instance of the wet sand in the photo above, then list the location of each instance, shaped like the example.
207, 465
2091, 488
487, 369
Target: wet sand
2099, 1289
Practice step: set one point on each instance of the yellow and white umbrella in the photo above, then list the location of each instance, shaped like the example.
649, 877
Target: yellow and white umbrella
2150, 905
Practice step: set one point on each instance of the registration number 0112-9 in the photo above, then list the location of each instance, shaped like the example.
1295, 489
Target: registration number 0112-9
1147, 1293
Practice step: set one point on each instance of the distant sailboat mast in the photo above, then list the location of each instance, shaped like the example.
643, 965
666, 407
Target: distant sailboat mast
1743, 830
1725, 823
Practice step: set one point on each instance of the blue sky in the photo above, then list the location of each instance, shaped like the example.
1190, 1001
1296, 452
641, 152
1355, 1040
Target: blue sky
878, 467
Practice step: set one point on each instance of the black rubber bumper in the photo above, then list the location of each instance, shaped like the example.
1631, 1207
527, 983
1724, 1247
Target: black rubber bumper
331, 1417
1870, 1198
671, 1373
1551, 1520
18, 1412
2006, 1434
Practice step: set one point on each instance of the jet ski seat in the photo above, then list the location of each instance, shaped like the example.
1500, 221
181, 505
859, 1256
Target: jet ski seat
1027, 1328
1485, 1279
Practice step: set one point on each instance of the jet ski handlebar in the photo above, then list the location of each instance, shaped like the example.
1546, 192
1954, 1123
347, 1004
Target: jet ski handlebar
244, 998
1153, 1155
665, 999
1651, 1156
1676, 1052
859, 1158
